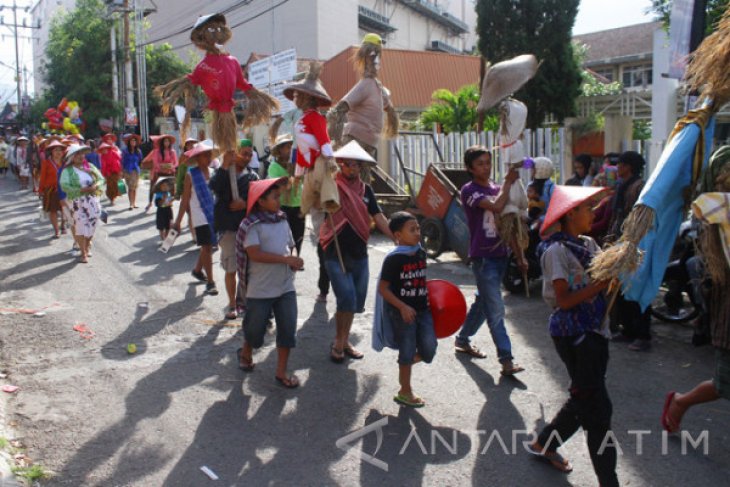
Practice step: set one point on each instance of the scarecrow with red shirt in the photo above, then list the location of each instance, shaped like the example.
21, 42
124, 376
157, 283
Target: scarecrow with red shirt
315, 157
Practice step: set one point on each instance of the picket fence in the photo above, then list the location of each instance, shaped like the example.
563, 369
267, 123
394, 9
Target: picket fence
419, 149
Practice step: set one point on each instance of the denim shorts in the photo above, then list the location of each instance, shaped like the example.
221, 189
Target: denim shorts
257, 316
350, 287
417, 337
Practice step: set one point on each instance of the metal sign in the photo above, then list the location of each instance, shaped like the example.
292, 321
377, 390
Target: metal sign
280, 67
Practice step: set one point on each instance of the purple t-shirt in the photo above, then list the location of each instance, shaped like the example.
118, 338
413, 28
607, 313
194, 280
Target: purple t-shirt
485, 241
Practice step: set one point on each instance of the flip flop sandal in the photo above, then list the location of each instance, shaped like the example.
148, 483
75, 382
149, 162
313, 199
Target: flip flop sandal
470, 350
230, 315
353, 354
665, 413
516, 369
415, 402
244, 364
337, 356
290, 382
554, 458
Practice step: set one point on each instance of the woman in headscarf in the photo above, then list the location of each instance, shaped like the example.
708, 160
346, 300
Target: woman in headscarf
48, 185
131, 159
111, 168
83, 185
164, 162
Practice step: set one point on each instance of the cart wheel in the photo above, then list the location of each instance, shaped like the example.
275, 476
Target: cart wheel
433, 237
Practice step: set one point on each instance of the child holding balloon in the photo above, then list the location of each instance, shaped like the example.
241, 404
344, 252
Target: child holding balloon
402, 286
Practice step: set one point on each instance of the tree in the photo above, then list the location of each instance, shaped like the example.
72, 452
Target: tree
714, 9
455, 112
78, 62
163, 65
507, 28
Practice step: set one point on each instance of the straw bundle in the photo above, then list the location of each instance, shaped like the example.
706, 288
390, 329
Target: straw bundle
708, 68
260, 107
170, 93
336, 121
392, 123
274, 129
223, 131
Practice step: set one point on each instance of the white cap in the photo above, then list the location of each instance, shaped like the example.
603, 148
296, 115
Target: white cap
353, 150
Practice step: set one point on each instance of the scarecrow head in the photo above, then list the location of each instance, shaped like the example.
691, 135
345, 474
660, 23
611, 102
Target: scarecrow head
210, 33
367, 59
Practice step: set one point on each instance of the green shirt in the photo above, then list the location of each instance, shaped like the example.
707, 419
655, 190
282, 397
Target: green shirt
291, 197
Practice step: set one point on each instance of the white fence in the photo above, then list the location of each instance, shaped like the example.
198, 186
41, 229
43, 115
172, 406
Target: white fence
419, 149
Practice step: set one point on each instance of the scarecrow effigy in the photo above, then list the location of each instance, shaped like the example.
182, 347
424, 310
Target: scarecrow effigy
219, 75
640, 257
359, 115
315, 157
498, 83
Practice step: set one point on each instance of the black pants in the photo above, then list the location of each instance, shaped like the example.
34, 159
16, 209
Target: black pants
296, 224
324, 278
588, 406
636, 325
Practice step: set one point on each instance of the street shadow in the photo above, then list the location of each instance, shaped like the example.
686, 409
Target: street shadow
410, 443
143, 327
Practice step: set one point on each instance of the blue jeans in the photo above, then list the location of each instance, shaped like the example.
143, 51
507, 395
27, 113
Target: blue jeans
417, 337
350, 287
488, 305
258, 311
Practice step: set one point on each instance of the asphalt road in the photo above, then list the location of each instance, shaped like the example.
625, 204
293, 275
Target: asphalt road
98, 416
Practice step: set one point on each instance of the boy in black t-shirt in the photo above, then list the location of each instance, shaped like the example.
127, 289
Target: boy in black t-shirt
402, 286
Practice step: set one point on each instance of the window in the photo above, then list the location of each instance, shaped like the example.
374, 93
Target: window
634, 76
605, 72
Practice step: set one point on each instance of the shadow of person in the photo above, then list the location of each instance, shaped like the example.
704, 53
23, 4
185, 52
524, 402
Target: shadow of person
503, 434
263, 434
150, 399
141, 328
406, 445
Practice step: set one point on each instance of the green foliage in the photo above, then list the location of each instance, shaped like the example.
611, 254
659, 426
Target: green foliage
715, 9
163, 66
78, 62
641, 130
507, 28
32, 474
590, 124
590, 86
455, 112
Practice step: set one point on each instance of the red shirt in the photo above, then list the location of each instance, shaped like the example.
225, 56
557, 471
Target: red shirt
312, 138
219, 76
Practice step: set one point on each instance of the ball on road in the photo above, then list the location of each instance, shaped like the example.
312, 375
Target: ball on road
131, 348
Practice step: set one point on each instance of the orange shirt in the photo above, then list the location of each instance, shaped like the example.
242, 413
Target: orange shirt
49, 175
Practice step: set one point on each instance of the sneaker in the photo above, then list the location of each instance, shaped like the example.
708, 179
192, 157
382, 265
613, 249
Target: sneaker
321, 298
199, 275
210, 289
640, 345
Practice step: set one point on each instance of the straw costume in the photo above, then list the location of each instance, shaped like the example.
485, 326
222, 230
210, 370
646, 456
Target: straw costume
359, 115
219, 75
315, 157
640, 257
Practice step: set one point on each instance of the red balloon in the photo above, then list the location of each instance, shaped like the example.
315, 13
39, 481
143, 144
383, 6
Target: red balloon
448, 307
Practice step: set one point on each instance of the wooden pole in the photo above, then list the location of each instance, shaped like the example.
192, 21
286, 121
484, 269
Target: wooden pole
337, 243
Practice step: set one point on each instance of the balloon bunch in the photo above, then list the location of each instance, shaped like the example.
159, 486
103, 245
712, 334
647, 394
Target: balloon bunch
65, 118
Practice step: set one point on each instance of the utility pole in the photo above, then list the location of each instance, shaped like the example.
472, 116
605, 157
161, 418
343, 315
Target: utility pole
17, 56
141, 72
128, 83
15, 25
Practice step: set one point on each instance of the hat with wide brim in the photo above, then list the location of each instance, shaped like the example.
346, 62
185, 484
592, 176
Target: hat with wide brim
505, 78
127, 137
204, 19
190, 139
104, 146
157, 139
109, 136
281, 140
47, 140
353, 151
53, 144
256, 189
22, 138
566, 198
311, 85
76, 149
161, 181
198, 149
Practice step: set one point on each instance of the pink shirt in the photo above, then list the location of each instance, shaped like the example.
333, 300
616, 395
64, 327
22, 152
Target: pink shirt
219, 76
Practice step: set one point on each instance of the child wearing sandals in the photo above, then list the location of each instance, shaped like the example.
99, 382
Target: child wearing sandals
575, 325
263, 248
404, 321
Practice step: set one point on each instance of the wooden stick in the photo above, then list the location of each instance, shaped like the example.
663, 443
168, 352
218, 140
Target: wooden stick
337, 243
525, 280
614, 289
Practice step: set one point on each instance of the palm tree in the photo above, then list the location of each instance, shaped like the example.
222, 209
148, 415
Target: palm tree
455, 112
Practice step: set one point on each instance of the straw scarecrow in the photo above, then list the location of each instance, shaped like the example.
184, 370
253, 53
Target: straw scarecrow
359, 115
499, 81
219, 75
640, 257
315, 157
